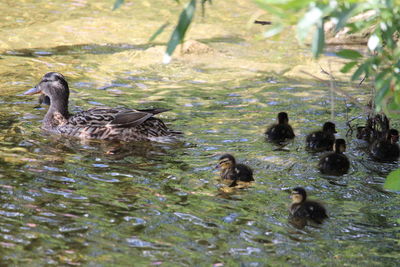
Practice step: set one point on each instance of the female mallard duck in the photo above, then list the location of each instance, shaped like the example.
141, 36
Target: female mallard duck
97, 123
386, 149
231, 172
335, 163
303, 208
281, 131
322, 140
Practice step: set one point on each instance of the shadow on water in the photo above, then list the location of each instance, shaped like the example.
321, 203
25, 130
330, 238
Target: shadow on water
101, 49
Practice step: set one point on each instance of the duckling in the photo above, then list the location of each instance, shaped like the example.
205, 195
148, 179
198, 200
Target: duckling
387, 149
335, 163
281, 131
322, 140
97, 123
303, 208
231, 172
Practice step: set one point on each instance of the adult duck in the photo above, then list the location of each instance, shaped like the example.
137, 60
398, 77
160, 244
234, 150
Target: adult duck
97, 123
322, 140
280, 132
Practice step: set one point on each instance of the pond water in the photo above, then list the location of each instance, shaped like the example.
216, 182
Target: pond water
71, 202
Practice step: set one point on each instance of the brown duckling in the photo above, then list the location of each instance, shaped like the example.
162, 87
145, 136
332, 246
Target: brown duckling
322, 140
386, 149
308, 209
232, 172
97, 123
280, 132
335, 163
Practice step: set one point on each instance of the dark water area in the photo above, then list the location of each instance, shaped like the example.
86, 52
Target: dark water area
66, 201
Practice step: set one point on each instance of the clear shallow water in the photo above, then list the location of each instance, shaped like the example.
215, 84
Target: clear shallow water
72, 202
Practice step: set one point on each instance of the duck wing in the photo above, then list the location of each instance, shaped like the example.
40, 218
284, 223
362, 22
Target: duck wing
113, 117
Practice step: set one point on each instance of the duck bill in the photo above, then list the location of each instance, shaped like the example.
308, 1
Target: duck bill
32, 91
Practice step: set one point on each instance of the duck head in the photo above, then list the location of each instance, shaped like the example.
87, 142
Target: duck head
226, 161
298, 195
283, 118
53, 85
329, 127
339, 146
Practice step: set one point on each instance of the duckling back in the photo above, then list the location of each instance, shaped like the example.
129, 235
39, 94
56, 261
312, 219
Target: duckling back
385, 151
319, 141
310, 210
335, 163
280, 133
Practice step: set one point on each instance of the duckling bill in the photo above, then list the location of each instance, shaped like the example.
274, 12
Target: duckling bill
97, 123
335, 163
232, 172
306, 209
280, 132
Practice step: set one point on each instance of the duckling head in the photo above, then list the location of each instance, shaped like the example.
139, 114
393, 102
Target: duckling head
298, 195
393, 136
329, 127
226, 161
53, 85
283, 118
339, 146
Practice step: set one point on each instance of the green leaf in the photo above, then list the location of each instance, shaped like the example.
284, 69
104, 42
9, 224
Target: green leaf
343, 17
393, 181
349, 54
318, 40
117, 4
348, 66
276, 29
361, 69
382, 87
158, 32
270, 8
311, 18
179, 32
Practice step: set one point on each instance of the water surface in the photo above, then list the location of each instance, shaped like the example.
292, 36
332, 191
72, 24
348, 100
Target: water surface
71, 202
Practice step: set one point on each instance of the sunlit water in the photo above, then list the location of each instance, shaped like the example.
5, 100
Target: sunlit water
72, 202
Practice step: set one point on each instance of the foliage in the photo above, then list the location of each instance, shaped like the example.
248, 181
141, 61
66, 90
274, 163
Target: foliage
381, 20
178, 35
117, 4
179, 32
393, 181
